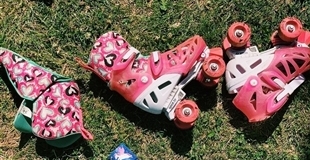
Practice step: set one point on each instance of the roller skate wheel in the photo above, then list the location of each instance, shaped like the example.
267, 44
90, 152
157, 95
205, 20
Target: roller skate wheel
239, 34
213, 67
289, 29
253, 82
186, 114
144, 79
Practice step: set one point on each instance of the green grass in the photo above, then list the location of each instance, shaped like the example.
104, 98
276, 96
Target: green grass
52, 33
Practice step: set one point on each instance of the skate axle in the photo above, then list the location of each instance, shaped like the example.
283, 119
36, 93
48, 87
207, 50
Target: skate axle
187, 111
214, 66
239, 33
290, 28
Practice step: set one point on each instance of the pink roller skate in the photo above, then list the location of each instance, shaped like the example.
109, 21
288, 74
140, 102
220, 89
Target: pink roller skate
263, 81
153, 83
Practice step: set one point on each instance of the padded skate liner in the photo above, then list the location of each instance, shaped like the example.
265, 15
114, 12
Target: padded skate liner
110, 50
51, 106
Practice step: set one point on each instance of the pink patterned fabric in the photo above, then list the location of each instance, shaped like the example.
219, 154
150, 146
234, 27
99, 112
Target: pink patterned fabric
29, 80
108, 52
57, 111
56, 99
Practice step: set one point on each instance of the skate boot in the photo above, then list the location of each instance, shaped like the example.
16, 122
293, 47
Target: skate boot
154, 83
51, 102
263, 81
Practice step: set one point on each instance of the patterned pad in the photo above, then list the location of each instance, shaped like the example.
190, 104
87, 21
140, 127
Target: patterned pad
111, 50
29, 79
55, 110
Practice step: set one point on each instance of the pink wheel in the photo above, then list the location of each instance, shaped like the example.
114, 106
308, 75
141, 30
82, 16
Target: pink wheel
239, 34
186, 113
213, 67
289, 29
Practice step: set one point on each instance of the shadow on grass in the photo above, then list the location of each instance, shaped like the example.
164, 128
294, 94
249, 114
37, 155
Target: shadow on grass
205, 97
46, 2
24, 139
50, 152
300, 1
254, 132
304, 141
16, 98
42, 148
181, 140
305, 147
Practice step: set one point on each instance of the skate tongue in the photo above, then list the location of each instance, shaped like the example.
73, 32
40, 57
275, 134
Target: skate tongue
304, 37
